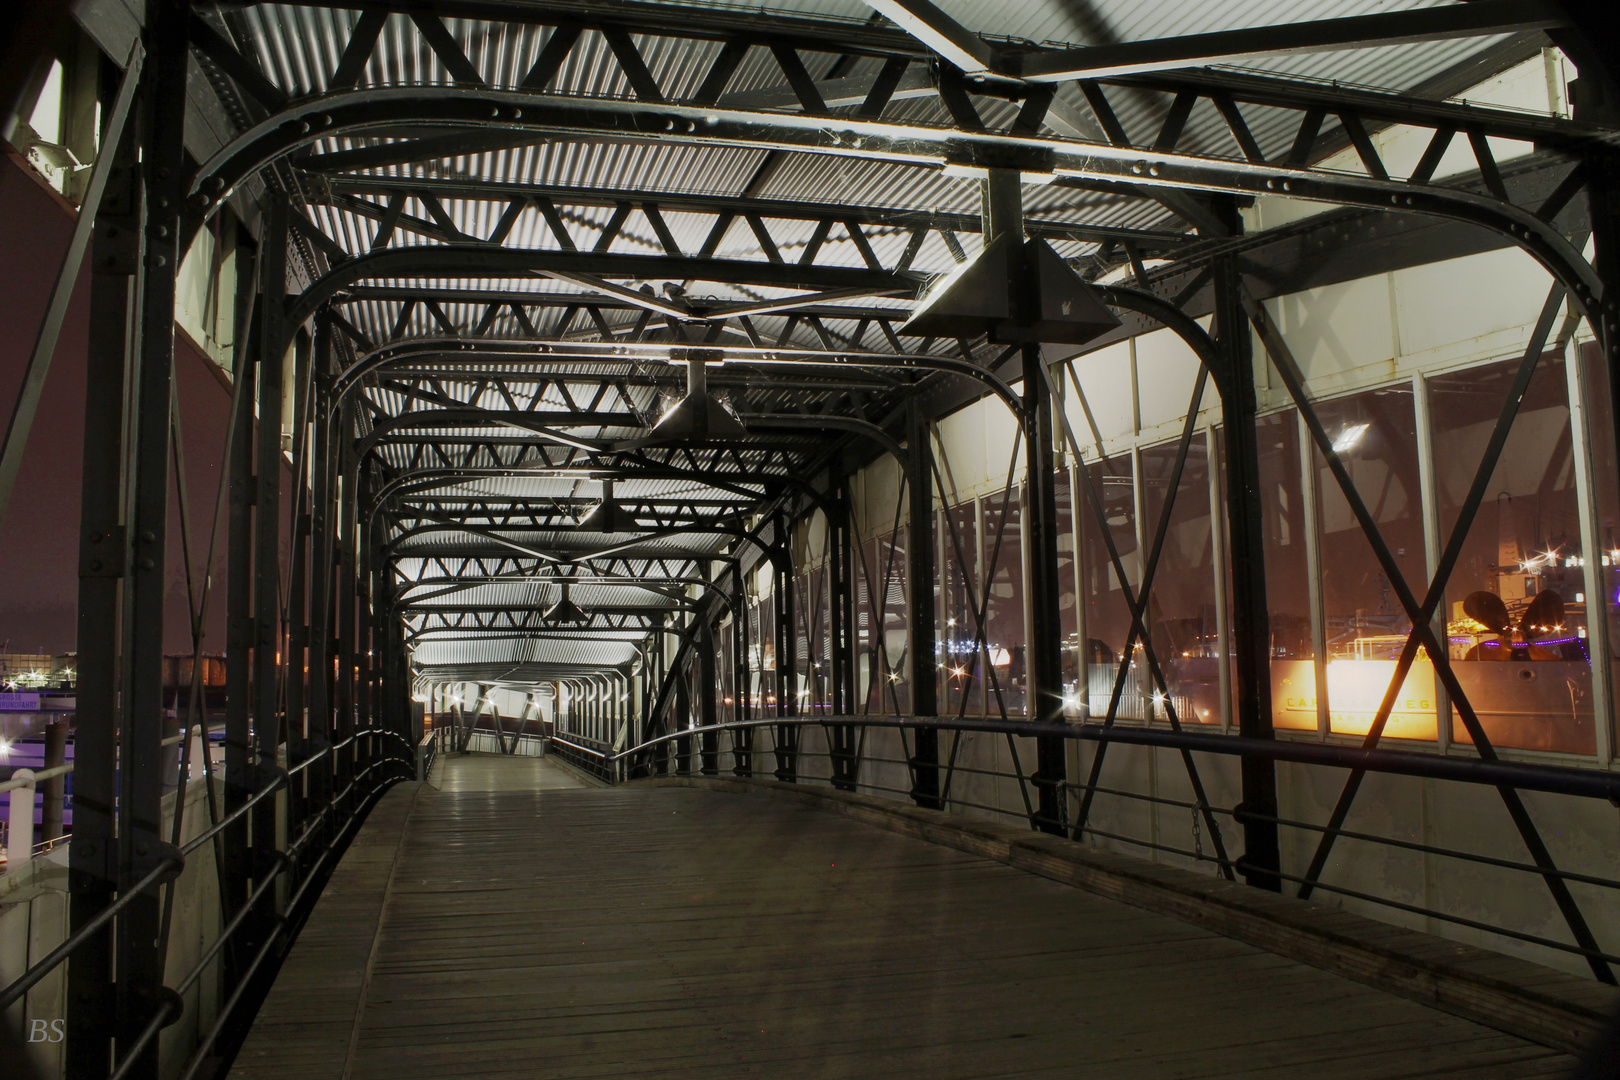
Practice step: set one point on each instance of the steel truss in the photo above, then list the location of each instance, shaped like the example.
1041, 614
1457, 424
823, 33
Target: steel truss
473, 360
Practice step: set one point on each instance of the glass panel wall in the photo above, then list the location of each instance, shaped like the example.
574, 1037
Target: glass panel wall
1515, 608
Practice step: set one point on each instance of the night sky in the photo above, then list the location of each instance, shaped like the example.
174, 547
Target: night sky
39, 535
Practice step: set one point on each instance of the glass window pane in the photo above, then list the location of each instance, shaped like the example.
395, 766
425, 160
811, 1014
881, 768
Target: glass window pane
1516, 614
1108, 616
1181, 614
963, 674
1282, 523
894, 658
1004, 619
1068, 588
1375, 435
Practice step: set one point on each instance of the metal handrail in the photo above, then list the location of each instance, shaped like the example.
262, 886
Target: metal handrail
34, 778
51, 960
1546, 778
597, 753
1556, 779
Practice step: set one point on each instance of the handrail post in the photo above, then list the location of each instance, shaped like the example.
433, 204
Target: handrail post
50, 814
20, 821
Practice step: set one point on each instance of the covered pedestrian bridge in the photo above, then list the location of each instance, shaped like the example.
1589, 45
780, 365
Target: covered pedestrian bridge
857, 538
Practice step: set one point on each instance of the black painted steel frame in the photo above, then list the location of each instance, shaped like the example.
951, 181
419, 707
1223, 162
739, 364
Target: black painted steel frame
375, 565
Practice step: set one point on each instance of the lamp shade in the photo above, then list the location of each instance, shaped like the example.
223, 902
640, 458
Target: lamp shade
1014, 292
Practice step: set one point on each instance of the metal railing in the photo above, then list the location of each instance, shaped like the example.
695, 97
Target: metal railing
682, 753
588, 755
20, 846
286, 861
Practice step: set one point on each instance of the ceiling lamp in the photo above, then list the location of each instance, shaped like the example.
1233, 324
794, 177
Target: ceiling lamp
1014, 292
608, 516
565, 612
698, 416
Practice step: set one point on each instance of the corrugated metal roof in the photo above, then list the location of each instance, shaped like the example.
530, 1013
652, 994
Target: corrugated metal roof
300, 46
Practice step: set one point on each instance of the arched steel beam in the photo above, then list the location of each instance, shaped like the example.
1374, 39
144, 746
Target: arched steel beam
621, 581
490, 261
1178, 322
561, 557
377, 109
473, 416
563, 352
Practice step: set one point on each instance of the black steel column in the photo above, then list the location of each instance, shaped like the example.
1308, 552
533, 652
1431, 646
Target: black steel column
343, 646
140, 781
841, 632
1043, 652
115, 254
298, 583
1251, 645
237, 870
1603, 194
742, 739
268, 718
708, 676
920, 578
683, 721
787, 652
322, 511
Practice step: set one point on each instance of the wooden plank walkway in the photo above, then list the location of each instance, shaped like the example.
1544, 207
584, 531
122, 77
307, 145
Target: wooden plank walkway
672, 932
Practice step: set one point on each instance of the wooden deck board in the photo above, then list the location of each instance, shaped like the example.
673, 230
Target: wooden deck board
671, 932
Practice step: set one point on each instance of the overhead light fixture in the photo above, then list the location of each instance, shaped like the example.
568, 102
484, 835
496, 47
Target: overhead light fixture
1349, 437
1015, 291
697, 417
608, 516
565, 612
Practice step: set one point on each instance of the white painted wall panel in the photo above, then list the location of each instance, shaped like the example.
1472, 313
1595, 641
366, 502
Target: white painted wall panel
1467, 309
963, 452
1105, 380
1166, 369
1337, 330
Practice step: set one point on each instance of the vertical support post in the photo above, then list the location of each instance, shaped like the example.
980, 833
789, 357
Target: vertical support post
1261, 858
343, 761
683, 721
1043, 650
1595, 582
1310, 496
1429, 493
20, 820
267, 644
920, 578
298, 581
742, 739
237, 871
322, 508
708, 676
841, 629
1603, 199
50, 814
115, 254
787, 652
140, 782
1220, 562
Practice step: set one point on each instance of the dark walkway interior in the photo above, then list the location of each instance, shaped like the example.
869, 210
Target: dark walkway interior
486, 931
